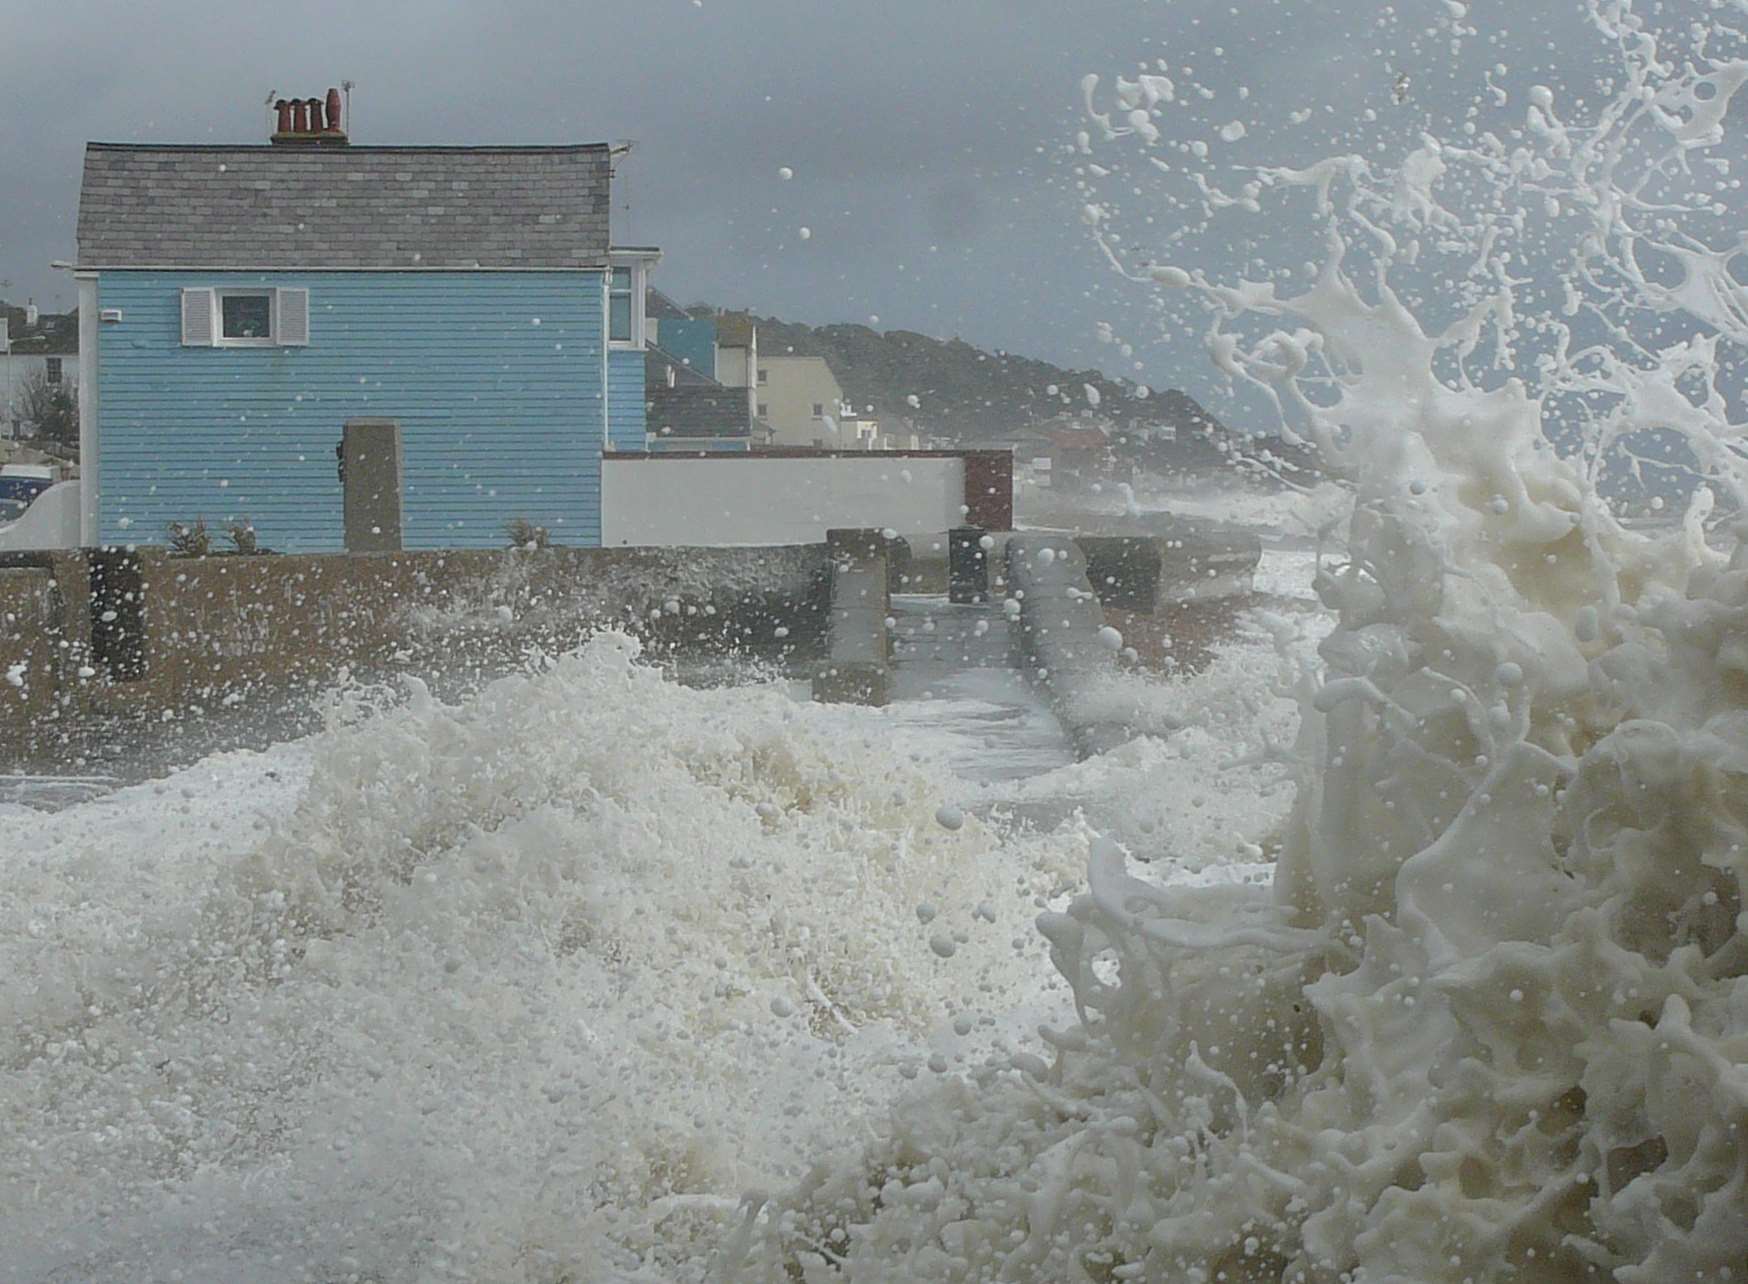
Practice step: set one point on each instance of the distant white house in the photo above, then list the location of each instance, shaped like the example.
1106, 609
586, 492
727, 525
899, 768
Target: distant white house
37, 351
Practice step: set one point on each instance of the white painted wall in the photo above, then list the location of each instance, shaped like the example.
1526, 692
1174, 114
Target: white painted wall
754, 500
16, 370
733, 364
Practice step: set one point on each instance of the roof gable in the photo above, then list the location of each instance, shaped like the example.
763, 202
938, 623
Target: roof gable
364, 207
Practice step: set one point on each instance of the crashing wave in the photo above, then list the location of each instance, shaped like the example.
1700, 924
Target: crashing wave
1491, 1021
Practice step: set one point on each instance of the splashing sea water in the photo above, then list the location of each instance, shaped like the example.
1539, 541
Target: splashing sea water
1491, 1020
499, 998
531, 987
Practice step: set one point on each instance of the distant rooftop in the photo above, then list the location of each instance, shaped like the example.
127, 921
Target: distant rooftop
217, 206
734, 330
53, 335
699, 410
661, 366
662, 308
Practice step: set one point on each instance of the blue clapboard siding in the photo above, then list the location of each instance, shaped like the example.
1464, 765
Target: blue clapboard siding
497, 380
627, 408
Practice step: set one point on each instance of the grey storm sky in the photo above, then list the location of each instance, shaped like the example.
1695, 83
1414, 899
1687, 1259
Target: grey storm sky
930, 139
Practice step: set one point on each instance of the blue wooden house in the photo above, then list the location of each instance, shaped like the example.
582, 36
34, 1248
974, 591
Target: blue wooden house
353, 347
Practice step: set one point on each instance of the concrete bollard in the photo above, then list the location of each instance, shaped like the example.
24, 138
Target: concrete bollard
1197, 562
967, 566
859, 645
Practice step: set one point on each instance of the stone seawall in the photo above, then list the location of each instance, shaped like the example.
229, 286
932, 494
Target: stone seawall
108, 633
29, 663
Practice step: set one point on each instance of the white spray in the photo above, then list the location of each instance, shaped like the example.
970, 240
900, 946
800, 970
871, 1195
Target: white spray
1491, 1022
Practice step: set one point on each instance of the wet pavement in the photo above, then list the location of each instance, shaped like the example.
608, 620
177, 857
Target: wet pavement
954, 673
953, 669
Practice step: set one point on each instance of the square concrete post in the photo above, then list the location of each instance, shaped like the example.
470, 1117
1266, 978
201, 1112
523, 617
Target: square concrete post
858, 643
967, 566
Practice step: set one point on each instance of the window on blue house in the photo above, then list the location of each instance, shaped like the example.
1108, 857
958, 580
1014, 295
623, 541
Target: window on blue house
255, 318
619, 309
246, 315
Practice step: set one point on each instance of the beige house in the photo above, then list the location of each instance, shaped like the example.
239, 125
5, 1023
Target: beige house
802, 401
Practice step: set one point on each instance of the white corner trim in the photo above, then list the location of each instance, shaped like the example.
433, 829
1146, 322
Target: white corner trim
89, 462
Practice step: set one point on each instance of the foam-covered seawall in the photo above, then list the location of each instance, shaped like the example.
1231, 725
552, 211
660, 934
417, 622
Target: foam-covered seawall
137, 631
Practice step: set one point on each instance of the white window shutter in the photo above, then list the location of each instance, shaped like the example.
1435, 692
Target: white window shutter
292, 324
198, 326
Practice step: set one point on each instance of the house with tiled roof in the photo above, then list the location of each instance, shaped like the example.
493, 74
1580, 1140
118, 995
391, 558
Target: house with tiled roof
688, 407
353, 347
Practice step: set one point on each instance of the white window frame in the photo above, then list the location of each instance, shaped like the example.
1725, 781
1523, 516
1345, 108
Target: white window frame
280, 300
639, 264
221, 293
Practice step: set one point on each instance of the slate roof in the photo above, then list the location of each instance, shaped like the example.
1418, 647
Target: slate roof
699, 410
661, 307
147, 205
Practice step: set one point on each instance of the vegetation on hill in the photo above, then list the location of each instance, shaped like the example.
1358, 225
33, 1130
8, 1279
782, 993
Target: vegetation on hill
960, 393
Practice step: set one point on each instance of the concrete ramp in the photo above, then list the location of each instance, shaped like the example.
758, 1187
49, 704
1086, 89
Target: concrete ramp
954, 670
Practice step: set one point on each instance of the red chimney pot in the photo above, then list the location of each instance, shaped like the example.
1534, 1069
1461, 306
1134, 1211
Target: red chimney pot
309, 120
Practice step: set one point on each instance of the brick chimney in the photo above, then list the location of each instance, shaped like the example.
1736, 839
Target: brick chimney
306, 121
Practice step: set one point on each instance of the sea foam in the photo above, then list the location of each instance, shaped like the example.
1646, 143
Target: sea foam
1491, 1020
